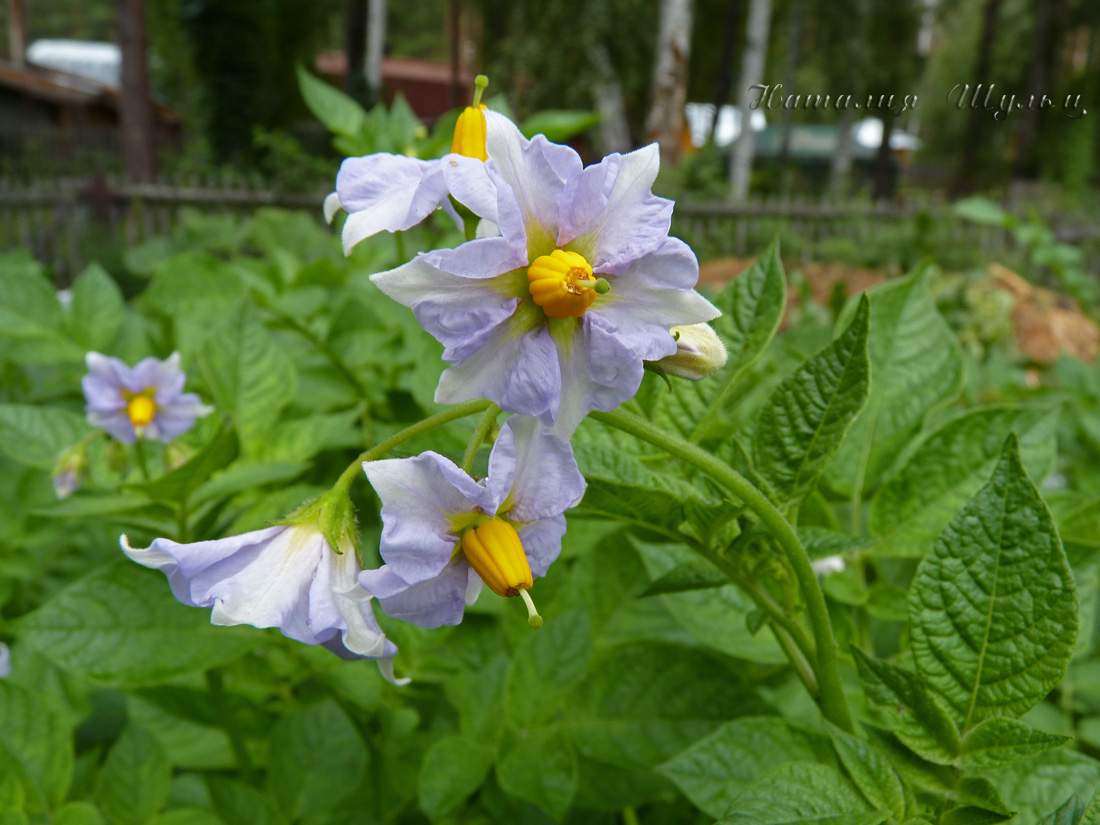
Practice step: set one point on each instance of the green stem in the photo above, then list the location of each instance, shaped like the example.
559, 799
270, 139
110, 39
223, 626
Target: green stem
399, 242
225, 718
833, 703
478, 438
139, 452
798, 659
630, 816
437, 420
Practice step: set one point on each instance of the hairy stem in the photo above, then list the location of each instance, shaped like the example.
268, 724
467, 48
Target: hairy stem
484, 426
831, 699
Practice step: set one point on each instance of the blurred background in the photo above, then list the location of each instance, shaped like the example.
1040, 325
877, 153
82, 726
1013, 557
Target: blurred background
118, 118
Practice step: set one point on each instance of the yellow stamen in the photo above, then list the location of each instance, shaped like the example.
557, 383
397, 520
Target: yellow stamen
141, 409
494, 550
470, 131
562, 283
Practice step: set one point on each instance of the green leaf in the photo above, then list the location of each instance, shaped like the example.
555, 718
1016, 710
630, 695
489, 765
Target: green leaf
872, 772
916, 364
316, 760
690, 575
35, 746
998, 741
239, 803
178, 484
121, 625
1091, 816
993, 608
947, 467
559, 125
98, 309
807, 416
31, 318
983, 211
539, 767
36, 435
752, 306
339, 113
135, 779
79, 813
546, 663
251, 379
1069, 813
912, 713
800, 793
714, 770
1038, 785
978, 803
453, 768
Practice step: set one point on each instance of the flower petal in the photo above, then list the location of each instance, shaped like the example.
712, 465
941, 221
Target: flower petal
599, 372
433, 603
117, 424
468, 180
542, 542
536, 468
387, 192
165, 377
609, 213
331, 206
419, 498
515, 367
338, 603
5, 661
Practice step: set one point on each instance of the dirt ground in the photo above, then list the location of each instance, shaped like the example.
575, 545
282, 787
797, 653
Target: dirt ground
1046, 322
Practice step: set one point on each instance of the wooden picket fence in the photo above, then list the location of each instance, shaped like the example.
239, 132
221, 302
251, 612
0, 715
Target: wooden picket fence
66, 222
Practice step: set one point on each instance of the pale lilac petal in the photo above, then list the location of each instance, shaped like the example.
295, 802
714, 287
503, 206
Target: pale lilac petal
111, 371
598, 373
536, 468
382, 582
117, 424
460, 313
433, 603
337, 603
173, 420
164, 377
516, 367
610, 215
469, 183
474, 586
419, 501
5, 661
541, 542
387, 193
642, 308
102, 396
479, 259
331, 206
535, 172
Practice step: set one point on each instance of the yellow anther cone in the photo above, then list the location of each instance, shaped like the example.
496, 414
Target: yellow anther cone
494, 550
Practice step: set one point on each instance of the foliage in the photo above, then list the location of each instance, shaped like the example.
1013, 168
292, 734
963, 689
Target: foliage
670, 681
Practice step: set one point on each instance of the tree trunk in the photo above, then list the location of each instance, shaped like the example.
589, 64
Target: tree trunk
841, 164
794, 35
972, 139
1038, 84
752, 71
17, 32
725, 63
376, 45
884, 178
355, 46
666, 117
614, 126
135, 104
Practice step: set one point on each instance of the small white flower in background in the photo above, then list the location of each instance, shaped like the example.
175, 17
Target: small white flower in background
699, 353
5, 661
828, 565
70, 470
65, 298
300, 576
147, 400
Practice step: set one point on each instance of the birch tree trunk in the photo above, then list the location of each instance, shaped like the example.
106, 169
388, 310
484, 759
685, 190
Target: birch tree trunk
666, 117
752, 72
841, 163
376, 45
614, 127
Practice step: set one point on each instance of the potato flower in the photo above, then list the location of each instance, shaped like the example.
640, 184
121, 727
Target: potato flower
445, 534
146, 401
554, 317
299, 576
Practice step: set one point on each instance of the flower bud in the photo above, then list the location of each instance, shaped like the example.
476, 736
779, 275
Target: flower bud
699, 353
494, 550
69, 472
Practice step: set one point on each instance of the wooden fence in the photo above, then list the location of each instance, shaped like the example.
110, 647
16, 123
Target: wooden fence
66, 222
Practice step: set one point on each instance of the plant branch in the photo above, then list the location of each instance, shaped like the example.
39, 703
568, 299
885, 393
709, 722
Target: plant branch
478, 438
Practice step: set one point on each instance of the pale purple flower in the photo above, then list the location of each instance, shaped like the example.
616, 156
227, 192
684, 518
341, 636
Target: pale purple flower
146, 400
427, 501
477, 302
5, 661
384, 192
66, 483
286, 577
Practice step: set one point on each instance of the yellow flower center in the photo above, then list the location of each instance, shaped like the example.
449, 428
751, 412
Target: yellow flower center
141, 408
562, 283
495, 552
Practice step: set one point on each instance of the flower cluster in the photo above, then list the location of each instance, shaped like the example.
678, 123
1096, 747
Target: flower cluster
551, 309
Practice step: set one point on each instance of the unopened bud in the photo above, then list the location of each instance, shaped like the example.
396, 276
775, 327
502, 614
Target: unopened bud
69, 472
699, 353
